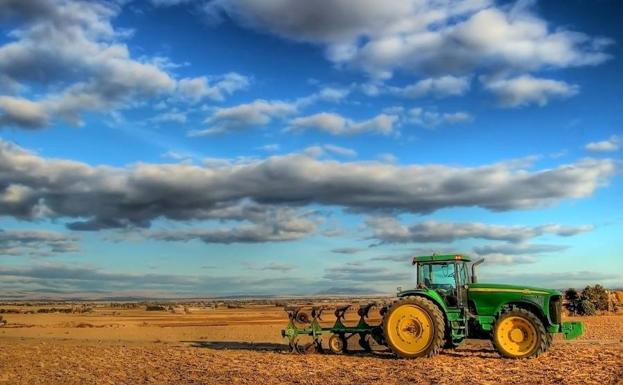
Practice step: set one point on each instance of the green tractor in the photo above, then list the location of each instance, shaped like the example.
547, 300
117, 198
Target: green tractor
447, 306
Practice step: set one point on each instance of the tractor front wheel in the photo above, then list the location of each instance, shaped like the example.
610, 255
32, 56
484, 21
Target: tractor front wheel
414, 327
518, 333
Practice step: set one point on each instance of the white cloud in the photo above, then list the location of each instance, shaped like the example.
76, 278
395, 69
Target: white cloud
390, 230
260, 224
72, 53
330, 149
36, 243
526, 90
22, 113
425, 37
426, 118
255, 114
439, 87
170, 117
609, 145
33, 187
72, 47
339, 150
326, 94
195, 89
336, 124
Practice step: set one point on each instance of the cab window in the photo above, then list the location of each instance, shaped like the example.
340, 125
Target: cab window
440, 276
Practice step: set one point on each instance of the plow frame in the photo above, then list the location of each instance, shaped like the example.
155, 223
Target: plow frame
339, 329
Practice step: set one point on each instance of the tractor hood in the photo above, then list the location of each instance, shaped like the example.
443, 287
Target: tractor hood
502, 288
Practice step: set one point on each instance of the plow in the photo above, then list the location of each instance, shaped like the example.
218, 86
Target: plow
447, 305
308, 323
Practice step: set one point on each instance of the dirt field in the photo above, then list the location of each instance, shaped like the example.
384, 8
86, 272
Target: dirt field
243, 346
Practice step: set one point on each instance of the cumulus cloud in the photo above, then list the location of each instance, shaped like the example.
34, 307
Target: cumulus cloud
518, 249
336, 124
390, 230
609, 145
427, 118
330, 149
515, 253
262, 112
173, 116
326, 94
73, 47
424, 37
22, 112
73, 54
35, 243
243, 116
263, 224
368, 274
95, 197
439, 87
525, 90
195, 89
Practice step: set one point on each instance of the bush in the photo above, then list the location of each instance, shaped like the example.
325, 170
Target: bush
597, 295
585, 307
588, 302
572, 297
155, 308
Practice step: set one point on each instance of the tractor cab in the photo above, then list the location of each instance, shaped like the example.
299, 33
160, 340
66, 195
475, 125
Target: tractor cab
448, 275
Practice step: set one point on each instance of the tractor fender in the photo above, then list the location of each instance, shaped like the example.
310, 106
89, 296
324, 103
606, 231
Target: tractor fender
428, 294
532, 307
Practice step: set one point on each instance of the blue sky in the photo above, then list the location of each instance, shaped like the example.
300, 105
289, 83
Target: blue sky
187, 148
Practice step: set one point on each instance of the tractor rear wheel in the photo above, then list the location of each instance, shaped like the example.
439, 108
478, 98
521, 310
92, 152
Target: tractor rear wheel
518, 333
414, 327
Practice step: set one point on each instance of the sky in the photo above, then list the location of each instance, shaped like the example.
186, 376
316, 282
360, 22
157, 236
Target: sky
280, 147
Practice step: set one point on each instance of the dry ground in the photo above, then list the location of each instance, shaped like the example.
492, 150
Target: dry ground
243, 346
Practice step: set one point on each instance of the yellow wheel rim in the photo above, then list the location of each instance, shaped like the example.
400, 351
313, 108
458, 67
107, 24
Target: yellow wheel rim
335, 344
517, 336
409, 329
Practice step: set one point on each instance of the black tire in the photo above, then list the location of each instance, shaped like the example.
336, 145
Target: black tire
543, 338
438, 326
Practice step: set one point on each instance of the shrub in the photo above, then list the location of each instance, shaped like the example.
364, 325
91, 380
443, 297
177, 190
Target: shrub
597, 295
155, 308
588, 302
572, 297
585, 307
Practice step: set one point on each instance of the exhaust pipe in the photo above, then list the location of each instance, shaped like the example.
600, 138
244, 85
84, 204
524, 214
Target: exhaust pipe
476, 263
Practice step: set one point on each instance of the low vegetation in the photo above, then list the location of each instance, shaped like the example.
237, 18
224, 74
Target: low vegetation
590, 301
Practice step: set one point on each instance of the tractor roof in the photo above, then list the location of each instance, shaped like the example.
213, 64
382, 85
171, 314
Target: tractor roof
441, 258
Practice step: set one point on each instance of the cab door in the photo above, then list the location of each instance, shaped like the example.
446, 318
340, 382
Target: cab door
461, 284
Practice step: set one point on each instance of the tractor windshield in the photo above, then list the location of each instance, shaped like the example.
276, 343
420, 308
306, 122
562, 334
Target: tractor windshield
441, 277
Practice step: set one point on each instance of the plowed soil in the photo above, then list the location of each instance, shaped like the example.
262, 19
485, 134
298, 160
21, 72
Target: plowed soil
243, 346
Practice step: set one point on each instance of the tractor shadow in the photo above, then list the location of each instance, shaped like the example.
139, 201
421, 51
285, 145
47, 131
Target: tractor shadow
378, 352
238, 345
